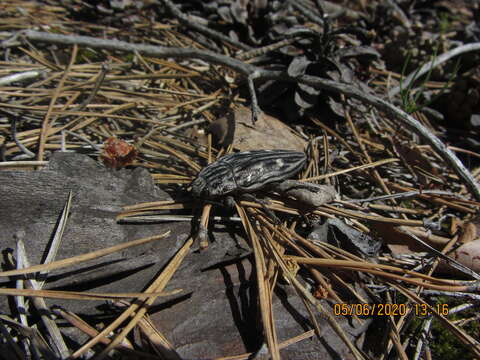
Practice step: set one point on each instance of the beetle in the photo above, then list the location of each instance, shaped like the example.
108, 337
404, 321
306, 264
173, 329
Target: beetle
246, 172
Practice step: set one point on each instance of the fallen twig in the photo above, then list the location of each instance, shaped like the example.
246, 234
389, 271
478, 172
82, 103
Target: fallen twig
255, 73
432, 64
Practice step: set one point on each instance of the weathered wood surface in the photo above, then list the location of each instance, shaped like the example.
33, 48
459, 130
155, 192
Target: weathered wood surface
215, 315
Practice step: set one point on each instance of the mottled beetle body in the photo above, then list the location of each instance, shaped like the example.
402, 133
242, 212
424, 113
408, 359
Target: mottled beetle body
246, 171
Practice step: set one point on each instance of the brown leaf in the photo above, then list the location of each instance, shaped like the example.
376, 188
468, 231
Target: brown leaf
118, 153
469, 255
267, 133
416, 161
470, 231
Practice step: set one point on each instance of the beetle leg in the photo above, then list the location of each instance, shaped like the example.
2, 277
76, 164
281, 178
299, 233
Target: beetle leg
200, 225
229, 202
264, 204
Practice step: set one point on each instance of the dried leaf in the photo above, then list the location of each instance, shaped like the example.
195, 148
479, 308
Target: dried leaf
118, 153
346, 237
298, 66
470, 231
398, 242
469, 255
417, 162
357, 51
268, 132
310, 194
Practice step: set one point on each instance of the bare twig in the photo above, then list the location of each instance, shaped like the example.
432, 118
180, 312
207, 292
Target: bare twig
405, 194
307, 12
432, 64
252, 72
452, 262
253, 97
93, 93
7, 164
187, 124
93, 145
399, 13
335, 10
247, 55
47, 121
42, 308
27, 153
26, 75
151, 50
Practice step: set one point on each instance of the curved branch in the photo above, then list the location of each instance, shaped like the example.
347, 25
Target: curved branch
151, 50
253, 72
434, 63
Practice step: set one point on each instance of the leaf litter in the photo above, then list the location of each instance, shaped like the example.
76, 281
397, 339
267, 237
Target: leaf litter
397, 180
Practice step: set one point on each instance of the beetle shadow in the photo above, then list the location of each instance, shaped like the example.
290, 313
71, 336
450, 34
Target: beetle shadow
243, 305
242, 293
